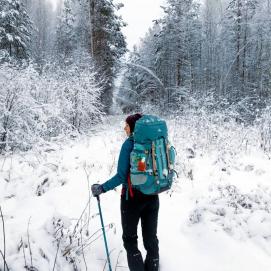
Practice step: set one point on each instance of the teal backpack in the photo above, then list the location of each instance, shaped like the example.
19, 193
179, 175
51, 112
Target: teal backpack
152, 158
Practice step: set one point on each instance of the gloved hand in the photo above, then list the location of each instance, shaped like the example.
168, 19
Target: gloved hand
97, 189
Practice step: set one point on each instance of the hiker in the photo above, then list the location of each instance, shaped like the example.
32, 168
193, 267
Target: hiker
135, 206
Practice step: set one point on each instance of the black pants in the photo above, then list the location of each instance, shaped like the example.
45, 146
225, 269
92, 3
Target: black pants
145, 208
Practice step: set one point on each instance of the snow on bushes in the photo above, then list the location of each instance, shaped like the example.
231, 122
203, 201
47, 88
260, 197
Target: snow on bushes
241, 215
204, 127
215, 149
264, 126
37, 107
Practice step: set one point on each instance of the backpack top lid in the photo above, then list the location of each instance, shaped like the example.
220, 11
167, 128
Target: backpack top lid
149, 128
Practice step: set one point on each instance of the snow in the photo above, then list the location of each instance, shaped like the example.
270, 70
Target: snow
216, 218
9, 37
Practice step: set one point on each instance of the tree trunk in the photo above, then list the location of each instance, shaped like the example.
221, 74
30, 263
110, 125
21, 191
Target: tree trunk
92, 22
243, 75
178, 72
238, 34
3, 137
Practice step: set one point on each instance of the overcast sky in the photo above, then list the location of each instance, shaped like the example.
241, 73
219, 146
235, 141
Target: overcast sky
139, 15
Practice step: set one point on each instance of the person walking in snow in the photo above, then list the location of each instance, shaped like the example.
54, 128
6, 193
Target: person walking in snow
135, 206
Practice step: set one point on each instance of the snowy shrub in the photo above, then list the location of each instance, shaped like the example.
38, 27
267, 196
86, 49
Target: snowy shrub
79, 96
204, 127
195, 216
72, 239
4, 56
19, 110
241, 215
264, 125
37, 107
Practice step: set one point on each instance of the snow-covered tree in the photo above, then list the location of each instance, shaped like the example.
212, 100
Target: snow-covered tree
240, 14
79, 94
82, 22
218, 49
170, 52
36, 107
15, 29
107, 43
65, 34
43, 33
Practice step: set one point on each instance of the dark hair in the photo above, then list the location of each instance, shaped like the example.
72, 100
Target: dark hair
131, 120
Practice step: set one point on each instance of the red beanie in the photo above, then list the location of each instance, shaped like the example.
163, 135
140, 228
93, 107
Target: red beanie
131, 120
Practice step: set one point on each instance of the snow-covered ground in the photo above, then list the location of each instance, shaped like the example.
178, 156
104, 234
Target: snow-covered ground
216, 218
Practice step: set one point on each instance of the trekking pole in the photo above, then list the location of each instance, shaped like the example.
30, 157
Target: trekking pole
105, 242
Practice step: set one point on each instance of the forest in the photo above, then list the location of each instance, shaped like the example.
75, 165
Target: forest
68, 82
57, 69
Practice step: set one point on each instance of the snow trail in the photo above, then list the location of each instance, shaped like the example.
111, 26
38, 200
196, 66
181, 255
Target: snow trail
204, 224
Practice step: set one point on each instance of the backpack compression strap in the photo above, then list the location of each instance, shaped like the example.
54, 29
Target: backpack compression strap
167, 154
154, 159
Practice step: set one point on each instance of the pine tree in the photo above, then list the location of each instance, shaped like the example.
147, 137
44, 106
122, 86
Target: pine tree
240, 14
171, 52
179, 39
259, 58
82, 21
65, 34
15, 27
43, 33
221, 50
107, 43
138, 86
